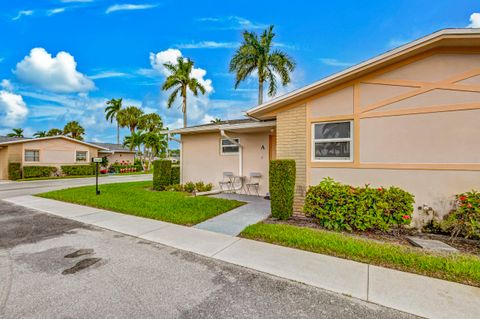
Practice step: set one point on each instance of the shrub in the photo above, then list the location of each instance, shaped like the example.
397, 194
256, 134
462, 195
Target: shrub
282, 187
202, 187
175, 175
465, 219
14, 171
119, 168
162, 174
176, 188
189, 187
78, 170
38, 171
343, 207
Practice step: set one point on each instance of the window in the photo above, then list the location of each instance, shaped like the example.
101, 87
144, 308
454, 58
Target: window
32, 156
228, 148
332, 141
81, 156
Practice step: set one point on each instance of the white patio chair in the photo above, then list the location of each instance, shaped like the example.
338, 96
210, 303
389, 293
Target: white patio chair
226, 184
254, 182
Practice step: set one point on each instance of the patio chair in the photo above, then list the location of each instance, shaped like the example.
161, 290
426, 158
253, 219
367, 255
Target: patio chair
226, 184
254, 182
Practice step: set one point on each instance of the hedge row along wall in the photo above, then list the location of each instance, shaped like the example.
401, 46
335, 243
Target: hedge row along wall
162, 174
38, 171
282, 187
77, 170
14, 171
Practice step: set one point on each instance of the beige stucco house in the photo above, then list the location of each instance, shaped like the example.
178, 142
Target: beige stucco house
409, 118
55, 151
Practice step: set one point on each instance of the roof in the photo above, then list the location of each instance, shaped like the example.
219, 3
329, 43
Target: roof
4, 140
442, 38
238, 124
118, 148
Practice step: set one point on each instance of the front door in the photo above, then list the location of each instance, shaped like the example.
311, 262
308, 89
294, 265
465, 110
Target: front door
272, 147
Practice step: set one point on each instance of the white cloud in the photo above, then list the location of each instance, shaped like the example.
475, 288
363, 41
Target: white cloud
56, 74
6, 85
474, 20
335, 62
126, 7
208, 45
23, 13
207, 118
55, 11
233, 23
108, 74
171, 55
13, 109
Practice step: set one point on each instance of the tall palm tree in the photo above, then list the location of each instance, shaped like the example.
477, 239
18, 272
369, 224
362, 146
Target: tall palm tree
54, 132
40, 134
74, 130
134, 140
111, 113
130, 117
151, 122
155, 144
256, 54
17, 132
180, 80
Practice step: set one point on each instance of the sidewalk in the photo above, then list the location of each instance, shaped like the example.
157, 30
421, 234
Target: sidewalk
391, 288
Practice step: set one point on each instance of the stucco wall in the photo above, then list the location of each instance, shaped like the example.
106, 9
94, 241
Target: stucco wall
112, 158
57, 152
4, 163
202, 160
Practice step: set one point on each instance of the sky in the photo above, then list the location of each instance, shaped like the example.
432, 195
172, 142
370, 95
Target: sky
61, 60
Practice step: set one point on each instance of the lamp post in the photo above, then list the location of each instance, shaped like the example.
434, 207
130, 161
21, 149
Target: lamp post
97, 161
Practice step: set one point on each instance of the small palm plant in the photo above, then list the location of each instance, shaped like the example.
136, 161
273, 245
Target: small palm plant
256, 55
16, 132
74, 130
39, 134
181, 80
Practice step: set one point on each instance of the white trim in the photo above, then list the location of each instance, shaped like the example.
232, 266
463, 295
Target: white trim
345, 139
225, 127
86, 157
35, 150
54, 137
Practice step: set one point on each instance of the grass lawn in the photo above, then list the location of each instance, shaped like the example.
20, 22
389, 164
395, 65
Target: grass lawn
461, 268
137, 199
59, 177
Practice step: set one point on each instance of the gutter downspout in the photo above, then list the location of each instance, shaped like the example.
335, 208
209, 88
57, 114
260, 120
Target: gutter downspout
240, 151
179, 141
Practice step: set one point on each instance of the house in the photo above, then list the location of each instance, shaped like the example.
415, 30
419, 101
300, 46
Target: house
115, 153
55, 151
409, 118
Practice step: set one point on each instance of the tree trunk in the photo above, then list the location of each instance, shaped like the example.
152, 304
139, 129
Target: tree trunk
260, 92
184, 110
118, 133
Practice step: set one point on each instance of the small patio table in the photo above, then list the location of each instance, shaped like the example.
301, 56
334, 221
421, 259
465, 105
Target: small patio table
241, 181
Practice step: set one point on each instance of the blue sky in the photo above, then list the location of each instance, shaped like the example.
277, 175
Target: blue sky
60, 60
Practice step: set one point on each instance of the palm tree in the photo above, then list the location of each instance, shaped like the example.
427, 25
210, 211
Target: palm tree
111, 113
134, 140
74, 130
54, 132
255, 54
40, 134
130, 117
17, 132
180, 81
151, 122
217, 120
155, 144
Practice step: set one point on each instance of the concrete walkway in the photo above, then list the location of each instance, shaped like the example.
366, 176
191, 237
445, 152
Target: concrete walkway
387, 287
233, 222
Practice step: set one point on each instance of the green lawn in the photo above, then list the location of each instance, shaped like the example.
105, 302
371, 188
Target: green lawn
56, 177
454, 267
136, 198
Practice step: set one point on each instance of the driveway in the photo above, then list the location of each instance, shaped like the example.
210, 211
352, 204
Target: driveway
118, 276
11, 189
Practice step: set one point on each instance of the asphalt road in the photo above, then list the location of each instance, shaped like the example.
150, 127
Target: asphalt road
52, 267
11, 189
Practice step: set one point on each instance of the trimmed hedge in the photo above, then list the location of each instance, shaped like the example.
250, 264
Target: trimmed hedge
14, 171
175, 178
38, 171
162, 174
77, 170
343, 207
118, 167
282, 187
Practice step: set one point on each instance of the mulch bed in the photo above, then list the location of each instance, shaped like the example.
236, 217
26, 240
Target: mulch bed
464, 245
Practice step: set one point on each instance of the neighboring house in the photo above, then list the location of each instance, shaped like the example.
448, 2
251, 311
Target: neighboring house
115, 153
409, 118
52, 151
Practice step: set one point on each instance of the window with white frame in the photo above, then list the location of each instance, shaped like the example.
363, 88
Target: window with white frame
229, 148
32, 156
332, 141
81, 156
